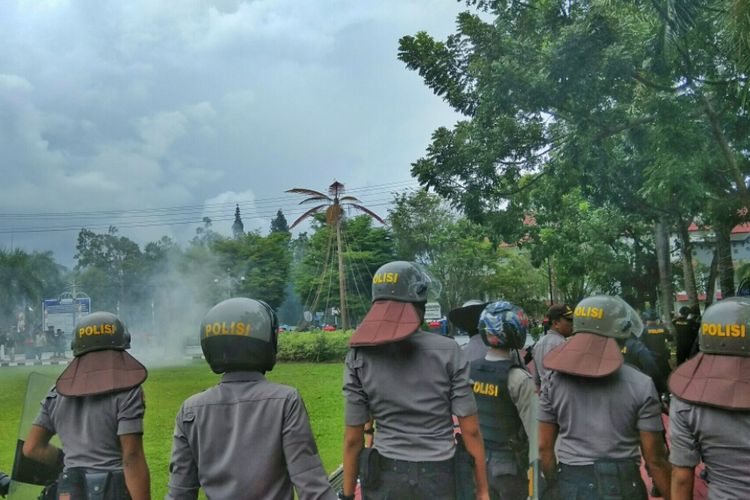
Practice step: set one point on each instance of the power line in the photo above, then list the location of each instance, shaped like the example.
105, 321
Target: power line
247, 209
372, 189
173, 218
149, 223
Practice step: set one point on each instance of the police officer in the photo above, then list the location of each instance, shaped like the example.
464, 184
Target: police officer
97, 408
410, 382
466, 318
560, 321
656, 337
635, 353
686, 326
599, 410
710, 412
245, 437
505, 394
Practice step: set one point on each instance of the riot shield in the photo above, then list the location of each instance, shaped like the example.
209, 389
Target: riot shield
29, 477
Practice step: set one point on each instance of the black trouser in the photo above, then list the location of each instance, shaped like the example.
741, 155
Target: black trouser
85, 484
506, 479
400, 479
605, 480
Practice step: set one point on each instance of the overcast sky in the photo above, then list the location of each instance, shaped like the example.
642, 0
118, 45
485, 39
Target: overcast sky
112, 106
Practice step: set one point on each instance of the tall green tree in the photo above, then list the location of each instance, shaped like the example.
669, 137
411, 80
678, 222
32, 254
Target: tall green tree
461, 255
255, 265
601, 96
279, 223
109, 268
26, 279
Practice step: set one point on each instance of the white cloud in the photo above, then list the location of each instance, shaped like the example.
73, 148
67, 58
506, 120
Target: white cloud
14, 83
116, 105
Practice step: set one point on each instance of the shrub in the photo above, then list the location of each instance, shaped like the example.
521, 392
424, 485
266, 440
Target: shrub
313, 346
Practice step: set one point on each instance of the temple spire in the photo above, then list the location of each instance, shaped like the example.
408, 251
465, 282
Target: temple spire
238, 228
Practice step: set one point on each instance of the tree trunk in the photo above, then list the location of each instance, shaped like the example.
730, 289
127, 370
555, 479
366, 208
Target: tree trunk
661, 238
724, 256
342, 278
688, 273
713, 271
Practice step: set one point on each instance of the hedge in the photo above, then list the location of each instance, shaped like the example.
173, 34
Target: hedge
313, 346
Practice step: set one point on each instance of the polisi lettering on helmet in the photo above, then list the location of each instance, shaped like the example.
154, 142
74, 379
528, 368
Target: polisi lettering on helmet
381, 278
589, 312
240, 334
227, 328
99, 331
606, 315
724, 328
402, 281
719, 330
104, 329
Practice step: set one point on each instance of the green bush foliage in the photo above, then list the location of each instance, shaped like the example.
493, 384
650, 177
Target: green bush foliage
314, 346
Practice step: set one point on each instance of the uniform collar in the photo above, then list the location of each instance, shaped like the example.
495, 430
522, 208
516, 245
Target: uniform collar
552, 330
496, 356
242, 376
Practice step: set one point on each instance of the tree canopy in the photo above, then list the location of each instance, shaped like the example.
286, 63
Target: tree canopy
612, 107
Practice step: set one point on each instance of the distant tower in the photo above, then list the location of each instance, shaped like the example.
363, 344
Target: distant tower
238, 228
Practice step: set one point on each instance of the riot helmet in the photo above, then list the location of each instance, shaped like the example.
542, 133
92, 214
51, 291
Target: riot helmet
608, 316
725, 328
99, 331
403, 282
503, 325
400, 291
240, 334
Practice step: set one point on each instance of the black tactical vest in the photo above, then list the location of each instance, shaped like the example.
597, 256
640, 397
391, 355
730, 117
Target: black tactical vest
498, 416
655, 338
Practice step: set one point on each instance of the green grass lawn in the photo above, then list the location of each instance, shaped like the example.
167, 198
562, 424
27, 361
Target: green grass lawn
166, 388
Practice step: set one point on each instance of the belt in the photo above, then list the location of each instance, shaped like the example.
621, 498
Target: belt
406, 465
590, 467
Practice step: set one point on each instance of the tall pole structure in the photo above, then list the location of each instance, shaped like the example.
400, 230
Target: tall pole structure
342, 277
332, 205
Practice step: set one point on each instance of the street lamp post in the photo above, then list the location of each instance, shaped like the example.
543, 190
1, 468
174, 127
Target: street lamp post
230, 280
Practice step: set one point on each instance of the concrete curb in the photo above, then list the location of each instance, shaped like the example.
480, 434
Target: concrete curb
46, 362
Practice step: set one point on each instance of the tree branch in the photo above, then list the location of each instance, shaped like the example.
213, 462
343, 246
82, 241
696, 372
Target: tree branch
657, 86
726, 150
637, 122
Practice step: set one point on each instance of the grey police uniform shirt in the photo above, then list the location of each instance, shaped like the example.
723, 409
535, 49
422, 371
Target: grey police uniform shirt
475, 348
551, 340
89, 427
246, 438
411, 388
721, 438
600, 418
